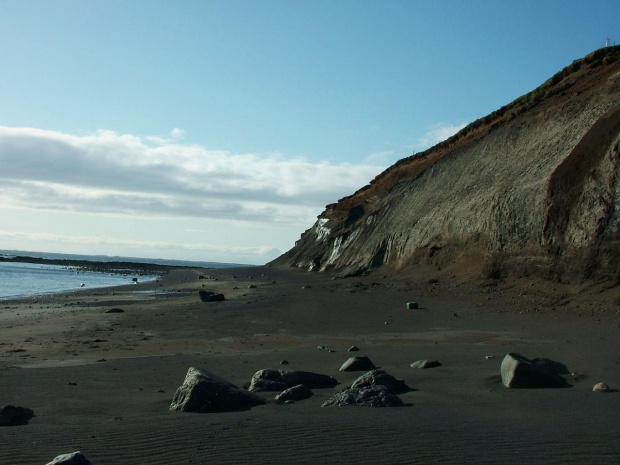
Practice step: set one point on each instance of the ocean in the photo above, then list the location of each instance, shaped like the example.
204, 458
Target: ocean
29, 279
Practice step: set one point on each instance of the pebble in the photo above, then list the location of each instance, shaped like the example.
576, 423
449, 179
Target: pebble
601, 387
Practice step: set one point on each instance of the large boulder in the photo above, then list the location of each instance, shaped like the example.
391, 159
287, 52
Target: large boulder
206, 392
74, 458
371, 396
12, 416
522, 373
358, 364
380, 378
295, 393
279, 380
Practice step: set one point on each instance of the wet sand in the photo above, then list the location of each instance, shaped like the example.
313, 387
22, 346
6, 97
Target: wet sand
102, 382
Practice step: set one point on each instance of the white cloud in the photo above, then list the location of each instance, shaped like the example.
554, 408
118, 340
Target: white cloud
109, 173
177, 134
437, 133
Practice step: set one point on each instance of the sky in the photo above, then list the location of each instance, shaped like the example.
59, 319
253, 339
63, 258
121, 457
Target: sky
217, 130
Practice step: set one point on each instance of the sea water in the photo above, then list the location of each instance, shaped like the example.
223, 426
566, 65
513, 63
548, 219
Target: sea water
25, 279
19, 279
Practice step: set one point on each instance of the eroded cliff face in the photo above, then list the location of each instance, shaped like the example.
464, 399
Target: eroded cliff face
538, 178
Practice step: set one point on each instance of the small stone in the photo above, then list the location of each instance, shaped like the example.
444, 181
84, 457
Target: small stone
425, 364
601, 387
412, 305
295, 393
116, 310
353, 349
251, 286
358, 364
208, 296
74, 458
489, 357
321, 347
284, 362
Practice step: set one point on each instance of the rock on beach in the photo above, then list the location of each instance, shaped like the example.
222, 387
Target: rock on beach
370, 396
13, 416
380, 378
358, 364
279, 380
295, 393
520, 372
206, 392
74, 458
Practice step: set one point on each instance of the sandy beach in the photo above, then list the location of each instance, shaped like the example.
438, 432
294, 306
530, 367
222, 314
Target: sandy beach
102, 382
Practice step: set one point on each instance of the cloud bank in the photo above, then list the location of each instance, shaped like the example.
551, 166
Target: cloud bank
120, 174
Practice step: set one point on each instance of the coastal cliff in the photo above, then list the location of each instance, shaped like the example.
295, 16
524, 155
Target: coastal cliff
536, 183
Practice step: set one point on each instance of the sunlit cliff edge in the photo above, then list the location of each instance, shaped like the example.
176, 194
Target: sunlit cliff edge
536, 183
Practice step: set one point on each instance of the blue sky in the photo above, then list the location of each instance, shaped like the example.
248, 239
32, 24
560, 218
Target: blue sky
218, 130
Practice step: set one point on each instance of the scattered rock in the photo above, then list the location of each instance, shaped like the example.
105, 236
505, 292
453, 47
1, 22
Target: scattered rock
208, 296
601, 387
358, 364
521, 373
206, 392
371, 396
116, 310
321, 347
425, 364
279, 380
74, 458
380, 378
13, 416
295, 393
354, 349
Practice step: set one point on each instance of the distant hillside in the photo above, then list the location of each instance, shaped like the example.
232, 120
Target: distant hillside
536, 182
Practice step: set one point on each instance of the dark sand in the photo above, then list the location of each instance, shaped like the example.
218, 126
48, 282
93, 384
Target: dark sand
102, 383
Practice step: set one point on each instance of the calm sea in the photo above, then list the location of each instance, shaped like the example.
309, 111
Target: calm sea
26, 279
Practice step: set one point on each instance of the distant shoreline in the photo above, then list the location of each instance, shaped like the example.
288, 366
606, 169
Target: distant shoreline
116, 267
